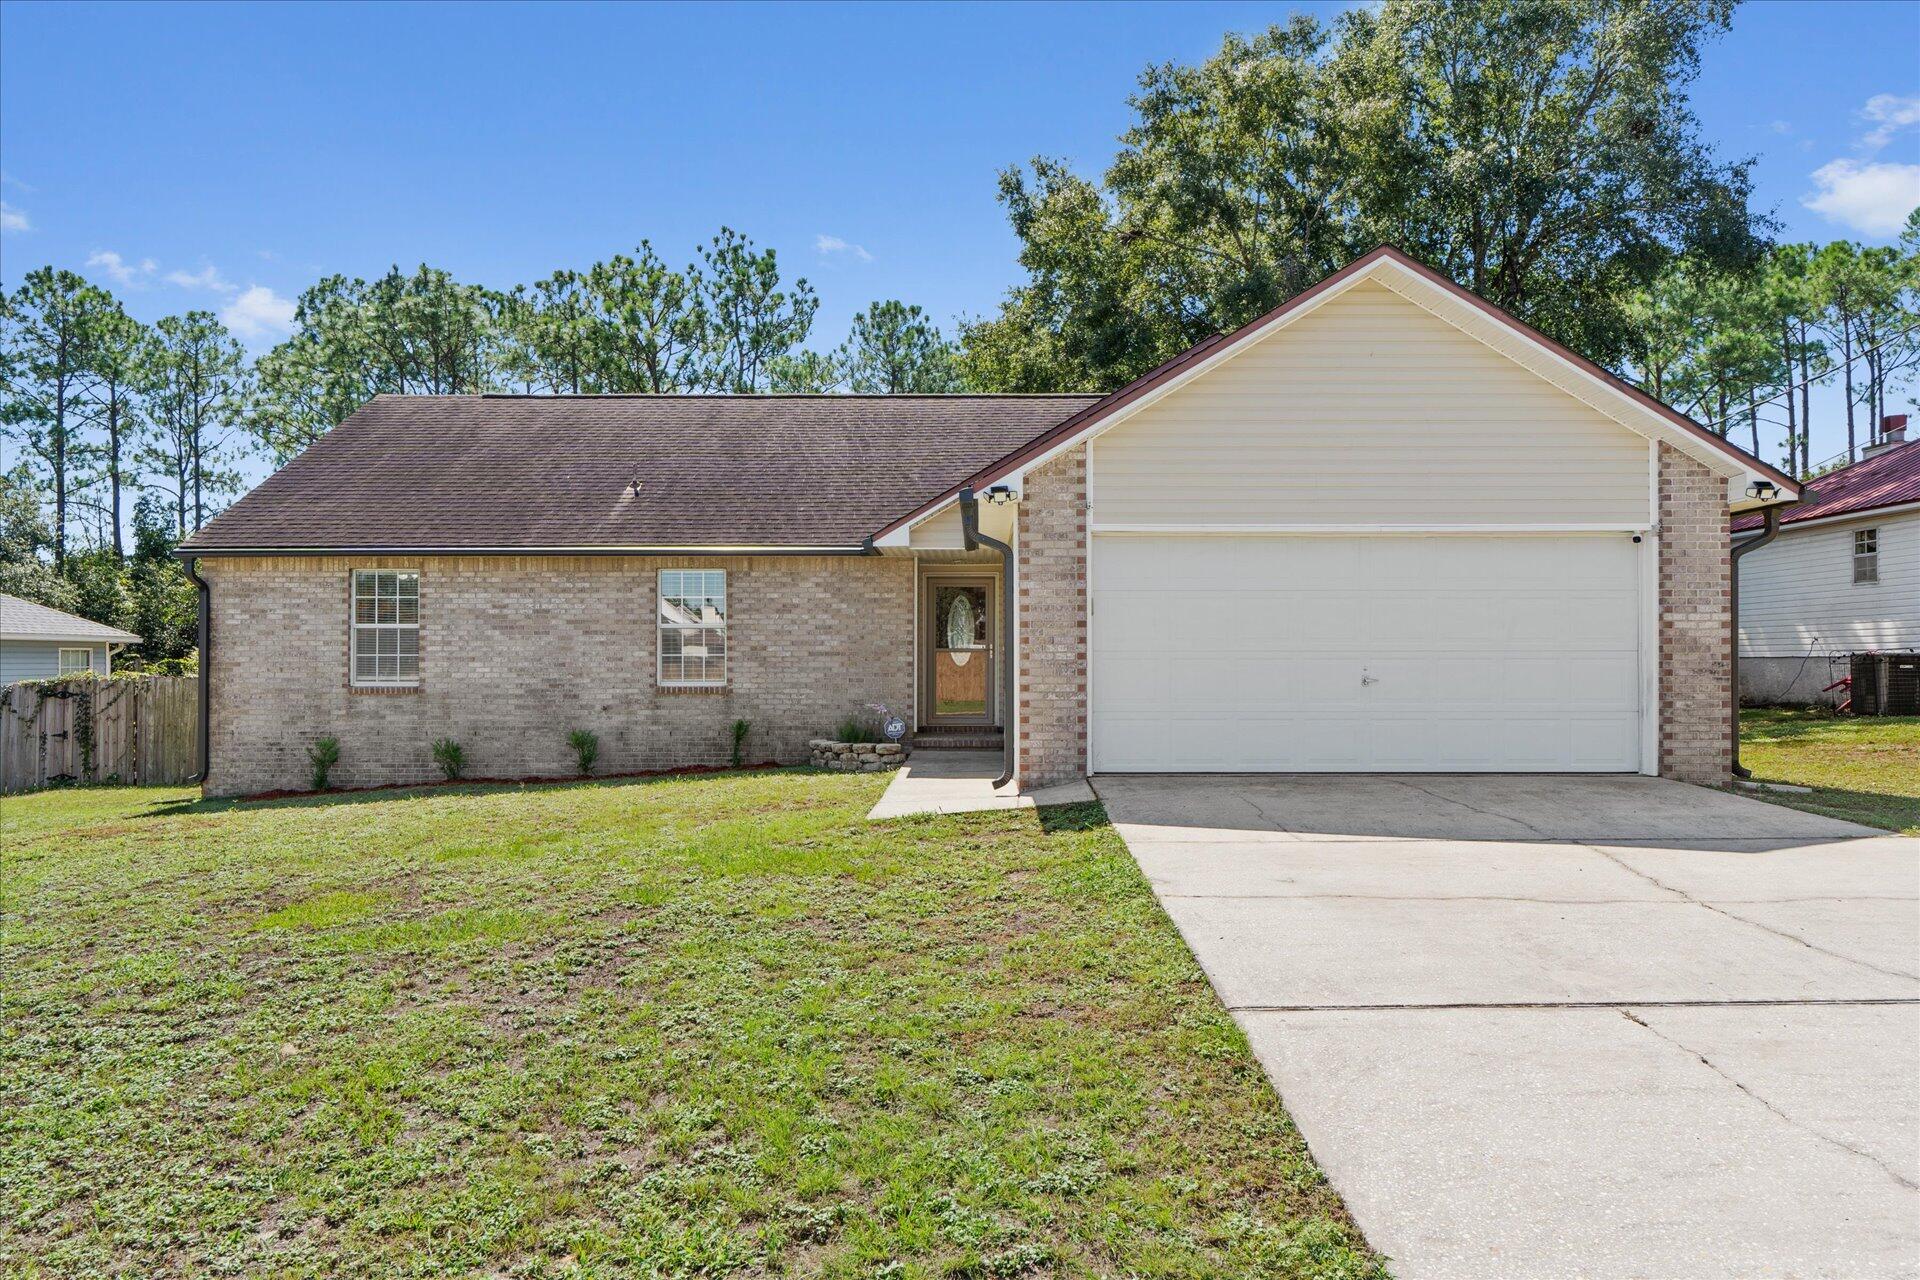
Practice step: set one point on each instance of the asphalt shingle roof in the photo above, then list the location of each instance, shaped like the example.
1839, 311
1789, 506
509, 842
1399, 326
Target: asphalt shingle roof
474, 472
25, 620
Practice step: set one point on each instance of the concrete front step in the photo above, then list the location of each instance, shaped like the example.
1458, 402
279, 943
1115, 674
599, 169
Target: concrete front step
957, 741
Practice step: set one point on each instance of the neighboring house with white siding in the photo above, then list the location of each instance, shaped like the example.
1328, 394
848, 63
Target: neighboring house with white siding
1385, 527
1842, 577
38, 643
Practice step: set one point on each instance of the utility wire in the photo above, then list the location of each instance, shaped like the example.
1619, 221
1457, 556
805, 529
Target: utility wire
1807, 381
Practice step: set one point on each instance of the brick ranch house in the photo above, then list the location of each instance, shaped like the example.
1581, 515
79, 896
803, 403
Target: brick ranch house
1385, 527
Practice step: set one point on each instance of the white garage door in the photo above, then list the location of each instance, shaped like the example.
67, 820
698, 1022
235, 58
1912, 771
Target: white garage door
1362, 654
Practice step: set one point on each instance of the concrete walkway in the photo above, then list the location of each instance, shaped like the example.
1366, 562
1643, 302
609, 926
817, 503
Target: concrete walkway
1555, 1026
962, 782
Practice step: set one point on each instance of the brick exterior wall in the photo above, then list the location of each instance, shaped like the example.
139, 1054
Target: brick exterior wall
1051, 581
1696, 631
517, 651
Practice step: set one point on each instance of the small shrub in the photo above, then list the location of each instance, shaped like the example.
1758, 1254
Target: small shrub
450, 756
323, 755
586, 749
857, 729
739, 731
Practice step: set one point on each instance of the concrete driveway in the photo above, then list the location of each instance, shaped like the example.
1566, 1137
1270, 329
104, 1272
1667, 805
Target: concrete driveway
1556, 1026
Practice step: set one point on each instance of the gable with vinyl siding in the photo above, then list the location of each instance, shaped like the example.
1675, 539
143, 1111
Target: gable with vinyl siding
1370, 410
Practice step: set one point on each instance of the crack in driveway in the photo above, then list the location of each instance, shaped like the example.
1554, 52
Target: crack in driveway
1790, 936
1733, 1080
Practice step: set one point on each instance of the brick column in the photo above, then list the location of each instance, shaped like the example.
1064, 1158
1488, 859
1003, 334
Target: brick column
1051, 581
1696, 622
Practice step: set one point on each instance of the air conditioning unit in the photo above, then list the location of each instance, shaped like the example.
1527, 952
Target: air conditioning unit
1886, 684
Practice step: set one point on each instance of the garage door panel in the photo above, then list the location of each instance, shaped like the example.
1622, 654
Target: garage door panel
1136, 621
1603, 620
1326, 619
1382, 653
1597, 742
1603, 682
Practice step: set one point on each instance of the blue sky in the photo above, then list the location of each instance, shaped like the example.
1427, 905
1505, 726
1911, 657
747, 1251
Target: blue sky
225, 156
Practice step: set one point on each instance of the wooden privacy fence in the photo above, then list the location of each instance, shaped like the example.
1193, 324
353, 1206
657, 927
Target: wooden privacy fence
141, 730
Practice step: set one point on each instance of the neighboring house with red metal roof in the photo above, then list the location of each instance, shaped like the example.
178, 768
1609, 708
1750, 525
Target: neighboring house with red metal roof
39, 643
1385, 527
1842, 577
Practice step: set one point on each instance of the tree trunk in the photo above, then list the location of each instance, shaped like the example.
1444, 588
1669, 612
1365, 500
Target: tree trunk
113, 477
58, 461
1806, 404
1846, 354
1793, 428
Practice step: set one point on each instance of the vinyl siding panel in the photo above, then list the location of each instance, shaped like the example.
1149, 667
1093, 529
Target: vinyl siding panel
940, 532
1797, 595
1370, 410
40, 659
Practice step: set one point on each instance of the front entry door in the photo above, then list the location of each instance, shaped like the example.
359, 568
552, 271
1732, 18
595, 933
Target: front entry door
958, 632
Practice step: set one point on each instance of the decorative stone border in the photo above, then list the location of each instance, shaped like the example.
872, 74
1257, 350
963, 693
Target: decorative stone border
856, 757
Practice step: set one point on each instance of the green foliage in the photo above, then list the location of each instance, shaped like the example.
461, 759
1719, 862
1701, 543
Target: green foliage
322, 756
198, 389
586, 750
450, 756
154, 533
857, 728
895, 350
1739, 349
26, 545
405, 333
99, 592
46, 333
738, 731
1541, 154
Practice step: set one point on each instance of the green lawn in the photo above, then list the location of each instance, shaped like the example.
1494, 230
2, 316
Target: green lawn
683, 1027
1862, 768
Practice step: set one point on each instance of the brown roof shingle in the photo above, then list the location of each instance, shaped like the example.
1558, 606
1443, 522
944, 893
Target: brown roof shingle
509, 472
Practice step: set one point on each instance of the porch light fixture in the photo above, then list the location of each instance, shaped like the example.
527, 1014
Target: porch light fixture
1764, 490
999, 495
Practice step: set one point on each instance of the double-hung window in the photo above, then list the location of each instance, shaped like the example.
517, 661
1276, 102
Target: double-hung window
693, 627
72, 660
386, 628
1866, 555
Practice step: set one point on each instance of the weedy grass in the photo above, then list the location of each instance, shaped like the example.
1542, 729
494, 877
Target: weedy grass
704, 1026
1861, 768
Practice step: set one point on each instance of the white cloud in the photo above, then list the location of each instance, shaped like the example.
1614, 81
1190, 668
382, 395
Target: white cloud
258, 312
1864, 194
118, 269
1871, 197
834, 244
205, 278
12, 219
1891, 113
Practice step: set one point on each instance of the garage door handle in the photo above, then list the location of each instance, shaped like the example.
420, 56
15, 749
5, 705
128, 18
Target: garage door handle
1368, 680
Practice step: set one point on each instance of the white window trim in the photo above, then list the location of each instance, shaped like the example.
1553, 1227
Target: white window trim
356, 628
60, 661
661, 626
1870, 560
